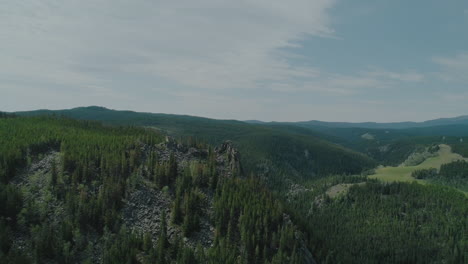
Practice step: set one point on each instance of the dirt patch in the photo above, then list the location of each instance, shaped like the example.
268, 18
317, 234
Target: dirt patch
340, 189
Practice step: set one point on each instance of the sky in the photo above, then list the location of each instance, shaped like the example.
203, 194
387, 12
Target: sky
331, 60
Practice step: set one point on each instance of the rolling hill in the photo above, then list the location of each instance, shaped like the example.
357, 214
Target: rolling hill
460, 120
270, 150
356, 146
81, 192
68, 182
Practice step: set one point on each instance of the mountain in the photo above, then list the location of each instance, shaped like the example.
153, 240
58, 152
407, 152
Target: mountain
391, 146
274, 147
301, 152
461, 120
80, 192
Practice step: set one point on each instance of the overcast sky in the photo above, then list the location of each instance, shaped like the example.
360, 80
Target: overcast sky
333, 60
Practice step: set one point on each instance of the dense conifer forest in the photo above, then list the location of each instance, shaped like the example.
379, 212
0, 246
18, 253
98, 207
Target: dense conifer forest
92, 173
69, 193
297, 151
394, 223
453, 174
233, 132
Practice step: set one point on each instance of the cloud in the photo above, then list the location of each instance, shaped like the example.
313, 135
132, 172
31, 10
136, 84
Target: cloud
342, 85
454, 97
208, 57
202, 44
453, 69
404, 77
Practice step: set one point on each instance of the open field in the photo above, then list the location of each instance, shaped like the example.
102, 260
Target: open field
403, 173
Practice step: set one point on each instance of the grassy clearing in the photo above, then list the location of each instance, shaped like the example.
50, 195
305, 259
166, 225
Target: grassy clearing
403, 173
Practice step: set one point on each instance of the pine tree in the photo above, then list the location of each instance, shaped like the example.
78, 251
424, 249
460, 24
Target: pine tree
147, 242
172, 167
53, 173
176, 213
162, 241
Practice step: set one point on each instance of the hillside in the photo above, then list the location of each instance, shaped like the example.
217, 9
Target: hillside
392, 146
388, 223
300, 152
85, 192
404, 172
460, 120
79, 192
387, 146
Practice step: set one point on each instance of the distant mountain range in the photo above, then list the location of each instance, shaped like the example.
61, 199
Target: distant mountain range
460, 120
284, 143
79, 111
289, 148
307, 189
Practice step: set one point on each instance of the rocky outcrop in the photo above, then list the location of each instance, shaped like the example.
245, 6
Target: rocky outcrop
229, 156
34, 180
307, 256
183, 154
144, 208
295, 190
226, 155
143, 212
145, 205
40, 166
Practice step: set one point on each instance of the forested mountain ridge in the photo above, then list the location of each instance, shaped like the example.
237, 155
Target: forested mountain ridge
280, 215
392, 146
372, 222
388, 146
289, 150
460, 120
80, 192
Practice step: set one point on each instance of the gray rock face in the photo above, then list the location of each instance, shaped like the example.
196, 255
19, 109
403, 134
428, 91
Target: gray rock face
229, 157
144, 206
182, 154
34, 180
41, 166
143, 210
143, 214
307, 256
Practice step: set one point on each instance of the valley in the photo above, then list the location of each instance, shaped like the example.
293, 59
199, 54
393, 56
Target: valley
105, 186
233, 132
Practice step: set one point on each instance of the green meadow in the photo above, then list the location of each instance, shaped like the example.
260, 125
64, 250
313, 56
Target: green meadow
403, 173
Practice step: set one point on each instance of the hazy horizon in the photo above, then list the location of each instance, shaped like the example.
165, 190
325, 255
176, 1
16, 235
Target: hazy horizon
244, 120
328, 60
